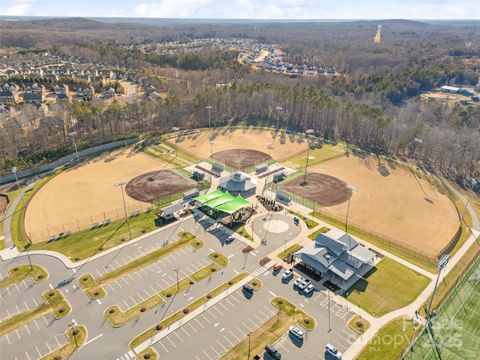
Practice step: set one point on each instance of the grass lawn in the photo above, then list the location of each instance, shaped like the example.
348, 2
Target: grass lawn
160, 153
74, 342
426, 264
243, 232
316, 156
310, 223
54, 303
86, 243
290, 250
358, 324
192, 306
389, 286
89, 283
322, 230
117, 318
270, 331
21, 272
389, 341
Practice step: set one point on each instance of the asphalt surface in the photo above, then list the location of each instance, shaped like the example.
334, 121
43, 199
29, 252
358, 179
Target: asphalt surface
105, 342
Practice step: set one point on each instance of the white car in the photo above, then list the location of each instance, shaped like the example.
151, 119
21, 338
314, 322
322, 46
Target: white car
309, 289
298, 281
304, 284
295, 331
332, 350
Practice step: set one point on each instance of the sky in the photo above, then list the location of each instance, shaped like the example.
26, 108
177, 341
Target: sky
248, 9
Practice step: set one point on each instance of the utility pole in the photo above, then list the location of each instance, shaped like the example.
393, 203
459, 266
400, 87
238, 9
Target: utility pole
211, 150
209, 109
74, 332
121, 184
178, 283
72, 135
308, 132
328, 296
248, 357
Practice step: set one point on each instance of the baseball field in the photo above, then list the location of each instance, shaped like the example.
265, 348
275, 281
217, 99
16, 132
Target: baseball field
86, 194
393, 203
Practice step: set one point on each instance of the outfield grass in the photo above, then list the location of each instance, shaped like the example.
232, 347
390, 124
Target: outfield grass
17, 225
180, 314
316, 156
54, 303
160, 153
119, 318
389, 286
389, 341
67, 350
90, 284
270, 331
422, 262
87, 243
310, 223
290, 250
21, 272
322, 230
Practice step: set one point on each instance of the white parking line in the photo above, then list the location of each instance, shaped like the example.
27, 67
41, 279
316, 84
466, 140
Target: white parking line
163, 346
178, 336
185, 331
168, 337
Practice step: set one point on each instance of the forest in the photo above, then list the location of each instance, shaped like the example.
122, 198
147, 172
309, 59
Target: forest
374, 104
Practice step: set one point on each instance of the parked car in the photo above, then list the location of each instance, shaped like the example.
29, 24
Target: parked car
229, 240
295, 331
287, 275
302, 286
296, 221
277, 267
309, 289
247, 288
298, 281
332, 351
272, 352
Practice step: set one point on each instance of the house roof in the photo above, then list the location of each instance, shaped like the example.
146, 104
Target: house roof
236, 182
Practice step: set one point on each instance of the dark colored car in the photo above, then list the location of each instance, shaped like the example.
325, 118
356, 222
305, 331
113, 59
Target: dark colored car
272, 352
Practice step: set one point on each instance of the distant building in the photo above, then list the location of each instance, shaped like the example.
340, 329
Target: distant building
456, 90
337, 257
8, 94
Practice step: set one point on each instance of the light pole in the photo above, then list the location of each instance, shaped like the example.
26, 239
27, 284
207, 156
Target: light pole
328, 296
353, 189
178, 283
250, 333
442, 263
14, 171
308, 132
74, 332
279, 110
72, 135
209, 109
211, 150
121, 184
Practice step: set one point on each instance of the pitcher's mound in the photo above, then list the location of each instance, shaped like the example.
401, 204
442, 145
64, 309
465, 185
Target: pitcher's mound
155, 185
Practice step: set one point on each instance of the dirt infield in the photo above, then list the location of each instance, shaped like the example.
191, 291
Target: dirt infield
155, 185
394, 203
324, 189
3, 203
85, 194
199, 146
240, 159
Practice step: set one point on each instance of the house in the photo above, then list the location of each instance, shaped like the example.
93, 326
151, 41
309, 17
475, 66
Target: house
8, 94
33, 94
337, 257
450, 89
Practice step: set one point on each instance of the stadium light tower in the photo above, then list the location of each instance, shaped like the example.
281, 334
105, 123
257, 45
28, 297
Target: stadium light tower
14, 171
121, 184
72, 135
279, 110
308, 133
353, 189
211, 150
209, 109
